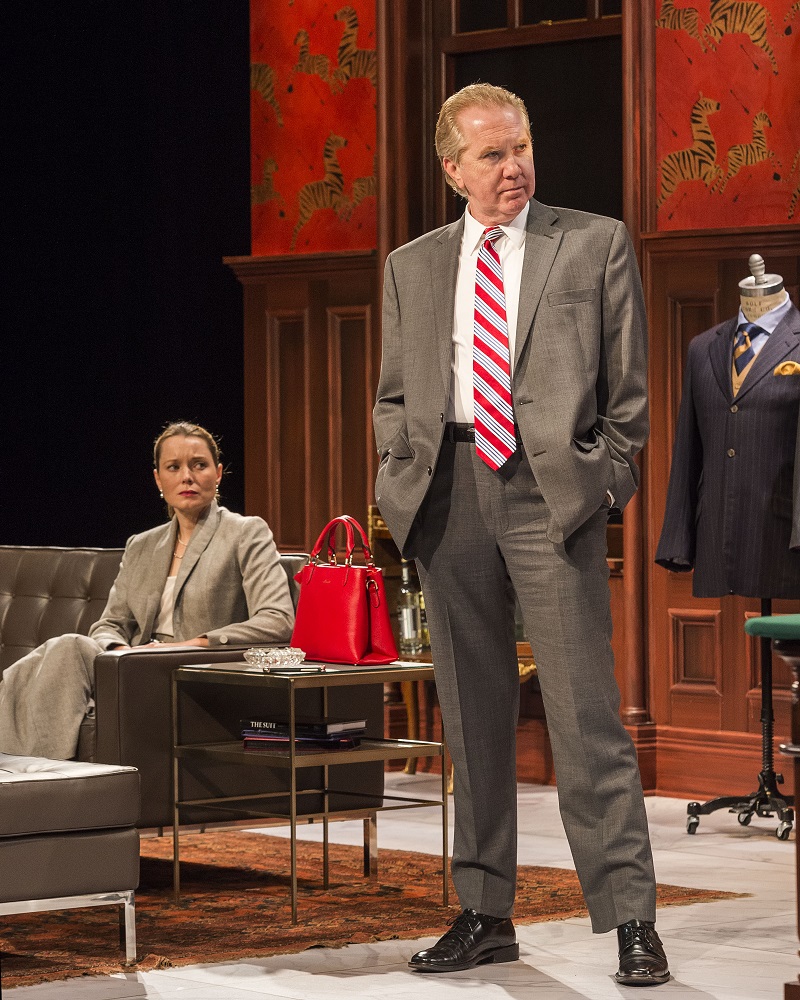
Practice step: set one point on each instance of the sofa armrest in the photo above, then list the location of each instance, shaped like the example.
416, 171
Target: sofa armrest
133, 715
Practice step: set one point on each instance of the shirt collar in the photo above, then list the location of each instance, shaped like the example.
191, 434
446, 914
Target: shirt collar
769, 321
474, 230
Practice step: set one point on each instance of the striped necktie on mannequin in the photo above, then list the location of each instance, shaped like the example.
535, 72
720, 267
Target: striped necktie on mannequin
743, 352
491, 360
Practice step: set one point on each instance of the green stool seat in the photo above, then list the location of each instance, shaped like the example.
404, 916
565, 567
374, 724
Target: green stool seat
774, 626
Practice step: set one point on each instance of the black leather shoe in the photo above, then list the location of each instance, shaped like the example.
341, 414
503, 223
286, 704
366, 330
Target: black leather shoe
473, 939
642, 961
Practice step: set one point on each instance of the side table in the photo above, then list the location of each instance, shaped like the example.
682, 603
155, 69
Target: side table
294, 759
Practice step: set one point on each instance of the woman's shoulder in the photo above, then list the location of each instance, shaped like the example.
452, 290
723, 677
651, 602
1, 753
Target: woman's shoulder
244, 524
153, 535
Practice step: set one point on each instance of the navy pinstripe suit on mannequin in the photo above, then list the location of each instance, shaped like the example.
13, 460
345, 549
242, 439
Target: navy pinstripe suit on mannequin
732, 504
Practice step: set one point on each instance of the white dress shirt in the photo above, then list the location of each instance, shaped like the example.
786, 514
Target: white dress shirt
511, 250
163, 623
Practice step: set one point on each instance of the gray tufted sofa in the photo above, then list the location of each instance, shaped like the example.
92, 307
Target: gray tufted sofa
48, 591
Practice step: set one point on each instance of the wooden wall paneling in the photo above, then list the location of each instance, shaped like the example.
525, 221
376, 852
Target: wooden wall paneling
287, 420
696, 667
318, 402
310, 381
350, 381
702, 764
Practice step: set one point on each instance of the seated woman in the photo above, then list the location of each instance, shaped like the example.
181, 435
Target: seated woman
208, 577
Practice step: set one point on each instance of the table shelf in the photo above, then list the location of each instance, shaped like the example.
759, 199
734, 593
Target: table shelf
369, 750
295, 759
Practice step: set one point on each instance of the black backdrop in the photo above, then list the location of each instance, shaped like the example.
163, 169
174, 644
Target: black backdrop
127, 146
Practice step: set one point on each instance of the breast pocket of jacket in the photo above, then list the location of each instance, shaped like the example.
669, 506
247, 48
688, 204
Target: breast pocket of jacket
574, 312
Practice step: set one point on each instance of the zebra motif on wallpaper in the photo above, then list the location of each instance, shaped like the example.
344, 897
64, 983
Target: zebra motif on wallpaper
262, 80
680, 19
353, 62
318, 65
747, 154
698, 162
326, 193
741, 17
265, 191
796, 192
365, 187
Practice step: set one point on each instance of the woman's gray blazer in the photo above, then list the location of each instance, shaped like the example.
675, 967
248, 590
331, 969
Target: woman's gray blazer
230, 586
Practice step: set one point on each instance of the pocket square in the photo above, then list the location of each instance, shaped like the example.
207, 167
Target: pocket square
787, 368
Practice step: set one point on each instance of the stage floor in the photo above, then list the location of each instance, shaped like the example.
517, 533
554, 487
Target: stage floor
725, 950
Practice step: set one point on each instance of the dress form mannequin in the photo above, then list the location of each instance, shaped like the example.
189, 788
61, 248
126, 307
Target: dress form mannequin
730, 505
761, 292
758, 295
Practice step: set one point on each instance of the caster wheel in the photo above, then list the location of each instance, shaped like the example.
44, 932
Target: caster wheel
692, 824
783, 831
744, 818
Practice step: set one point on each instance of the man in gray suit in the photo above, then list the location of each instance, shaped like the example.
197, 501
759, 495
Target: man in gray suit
511, 403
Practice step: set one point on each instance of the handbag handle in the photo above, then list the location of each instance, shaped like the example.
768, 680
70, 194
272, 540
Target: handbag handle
328, 536
364, 540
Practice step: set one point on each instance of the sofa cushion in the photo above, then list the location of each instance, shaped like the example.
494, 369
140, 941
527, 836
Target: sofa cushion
54, 796
48, 591
68, 864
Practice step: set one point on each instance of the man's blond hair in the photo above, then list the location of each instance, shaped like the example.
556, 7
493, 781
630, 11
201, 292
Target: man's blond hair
450, 143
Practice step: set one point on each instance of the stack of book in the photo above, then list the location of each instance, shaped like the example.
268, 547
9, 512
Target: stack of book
310, 734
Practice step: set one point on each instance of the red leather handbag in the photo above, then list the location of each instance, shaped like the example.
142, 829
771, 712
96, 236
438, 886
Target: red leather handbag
342, 614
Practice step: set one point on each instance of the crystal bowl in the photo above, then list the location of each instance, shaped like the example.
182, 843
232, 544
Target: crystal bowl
255, 657
283, 656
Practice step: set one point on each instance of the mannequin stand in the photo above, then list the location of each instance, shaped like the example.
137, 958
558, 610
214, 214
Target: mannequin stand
767, 801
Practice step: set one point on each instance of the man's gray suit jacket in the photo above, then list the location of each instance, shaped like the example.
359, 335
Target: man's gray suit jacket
230, 585
579, 382
731, 505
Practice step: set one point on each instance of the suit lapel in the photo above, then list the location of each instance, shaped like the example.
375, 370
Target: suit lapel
444, 273
785, 338
201, 536
720, 355
542, 241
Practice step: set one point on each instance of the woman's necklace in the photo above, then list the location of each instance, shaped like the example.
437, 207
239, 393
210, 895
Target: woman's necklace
180, 541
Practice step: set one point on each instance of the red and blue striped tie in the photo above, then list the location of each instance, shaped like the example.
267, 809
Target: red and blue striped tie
491, 360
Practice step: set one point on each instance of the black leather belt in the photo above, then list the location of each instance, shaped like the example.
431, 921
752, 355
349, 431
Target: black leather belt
459, 432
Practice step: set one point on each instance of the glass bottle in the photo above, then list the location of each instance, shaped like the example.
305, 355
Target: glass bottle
408, 612
425, 634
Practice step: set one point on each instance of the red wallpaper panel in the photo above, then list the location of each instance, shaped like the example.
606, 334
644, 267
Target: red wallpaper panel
728, 113
313, 75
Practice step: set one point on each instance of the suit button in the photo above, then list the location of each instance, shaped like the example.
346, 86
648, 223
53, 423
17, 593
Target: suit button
734, 408
731, 453
430, 471
441, 417
223, 639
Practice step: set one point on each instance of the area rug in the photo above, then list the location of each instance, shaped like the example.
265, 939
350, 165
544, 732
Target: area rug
235, 904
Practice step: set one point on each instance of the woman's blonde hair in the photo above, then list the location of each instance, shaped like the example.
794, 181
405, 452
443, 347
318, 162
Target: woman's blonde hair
450, 142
